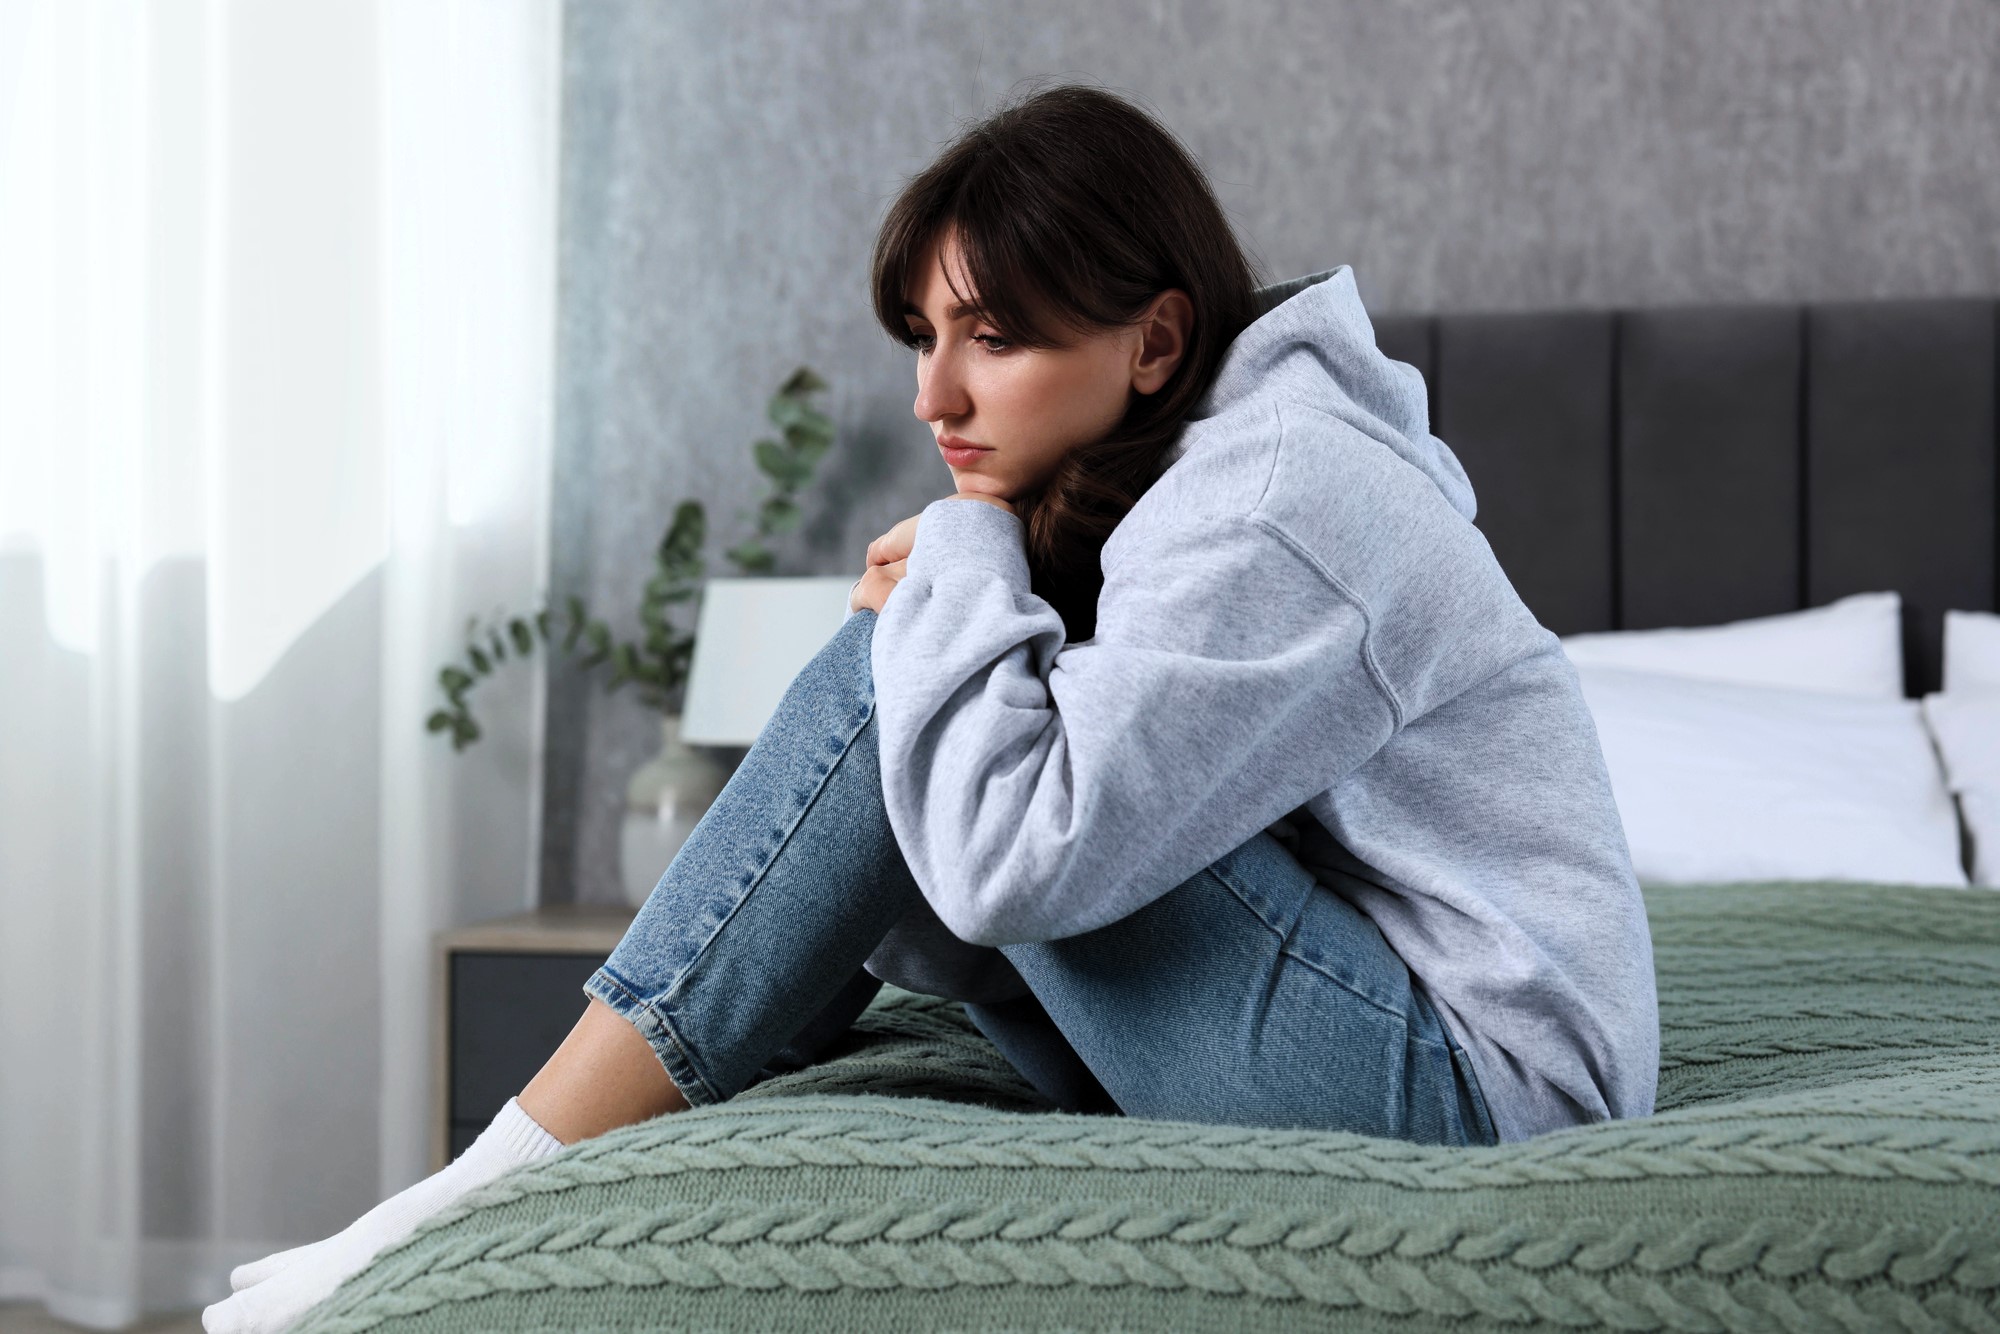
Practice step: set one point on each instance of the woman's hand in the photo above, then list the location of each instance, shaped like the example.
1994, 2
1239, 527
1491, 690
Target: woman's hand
889, 557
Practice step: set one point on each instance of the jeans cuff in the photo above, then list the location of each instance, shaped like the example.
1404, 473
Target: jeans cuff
657, 1027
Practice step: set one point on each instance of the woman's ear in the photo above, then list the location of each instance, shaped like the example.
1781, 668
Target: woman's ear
1163, 338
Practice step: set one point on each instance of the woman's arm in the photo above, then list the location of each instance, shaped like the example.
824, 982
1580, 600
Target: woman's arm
1038, 789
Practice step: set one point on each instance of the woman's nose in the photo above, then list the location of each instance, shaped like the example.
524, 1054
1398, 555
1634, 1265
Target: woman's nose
940, 390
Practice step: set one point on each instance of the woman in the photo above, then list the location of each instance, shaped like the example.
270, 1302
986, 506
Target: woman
1196, 742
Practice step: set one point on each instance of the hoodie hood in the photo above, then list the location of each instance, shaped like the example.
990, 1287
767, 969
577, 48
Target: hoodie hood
1314, 345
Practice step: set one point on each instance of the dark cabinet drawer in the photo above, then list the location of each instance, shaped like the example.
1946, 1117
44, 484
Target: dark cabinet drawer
509, 1011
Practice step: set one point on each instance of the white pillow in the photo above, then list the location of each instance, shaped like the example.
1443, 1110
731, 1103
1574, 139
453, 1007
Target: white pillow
1967, 727
1852, 646
1971, 651
1719, 781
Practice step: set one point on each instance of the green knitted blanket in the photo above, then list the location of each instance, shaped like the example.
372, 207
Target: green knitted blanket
1826, 1156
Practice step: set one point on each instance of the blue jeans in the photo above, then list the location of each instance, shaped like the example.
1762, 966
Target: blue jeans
1249, 994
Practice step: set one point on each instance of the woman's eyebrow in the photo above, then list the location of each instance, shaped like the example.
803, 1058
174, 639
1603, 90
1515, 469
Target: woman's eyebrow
957, 312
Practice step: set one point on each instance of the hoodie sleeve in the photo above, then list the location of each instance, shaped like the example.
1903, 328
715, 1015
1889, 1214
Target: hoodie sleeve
1039, 790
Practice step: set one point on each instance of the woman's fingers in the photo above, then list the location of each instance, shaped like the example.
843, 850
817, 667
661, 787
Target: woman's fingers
895, 544
876, 585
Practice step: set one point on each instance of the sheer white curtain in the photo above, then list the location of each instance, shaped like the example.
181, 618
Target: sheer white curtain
277, 285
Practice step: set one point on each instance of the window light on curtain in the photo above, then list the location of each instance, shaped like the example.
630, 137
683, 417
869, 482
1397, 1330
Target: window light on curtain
277, 291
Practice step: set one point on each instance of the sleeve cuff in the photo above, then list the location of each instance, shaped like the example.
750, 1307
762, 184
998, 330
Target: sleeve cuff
958, 534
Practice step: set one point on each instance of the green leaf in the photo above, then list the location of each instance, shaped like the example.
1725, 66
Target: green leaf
753, 558
802, 381
683, 574
774, 460
806, 441
524, 638
785, 412
438, 722
454, 680
683, 539
499, 647
680, 595
810, 455
780, 515
599, 635
542, 624
793, 415
807, 418
468, 732
480, 662
674, 562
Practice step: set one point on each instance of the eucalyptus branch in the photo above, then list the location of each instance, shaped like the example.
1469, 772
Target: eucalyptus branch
658, 660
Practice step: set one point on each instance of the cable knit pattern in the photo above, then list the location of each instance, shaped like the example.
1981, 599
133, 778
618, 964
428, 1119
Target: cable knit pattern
1826, 1157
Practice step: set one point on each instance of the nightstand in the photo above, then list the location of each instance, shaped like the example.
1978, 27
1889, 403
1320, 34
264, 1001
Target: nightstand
506, 993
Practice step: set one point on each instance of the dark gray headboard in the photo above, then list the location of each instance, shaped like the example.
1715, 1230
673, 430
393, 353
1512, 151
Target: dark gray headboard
1697, 464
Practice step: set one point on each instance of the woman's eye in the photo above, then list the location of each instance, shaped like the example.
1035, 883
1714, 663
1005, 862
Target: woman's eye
921, 342
994, 342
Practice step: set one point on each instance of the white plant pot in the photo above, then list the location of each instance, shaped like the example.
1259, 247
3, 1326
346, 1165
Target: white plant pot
663, 803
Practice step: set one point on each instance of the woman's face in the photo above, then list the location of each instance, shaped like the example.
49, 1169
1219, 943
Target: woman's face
1027, 406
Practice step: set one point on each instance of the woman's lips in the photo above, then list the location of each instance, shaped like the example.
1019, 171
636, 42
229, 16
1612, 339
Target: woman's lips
959, 454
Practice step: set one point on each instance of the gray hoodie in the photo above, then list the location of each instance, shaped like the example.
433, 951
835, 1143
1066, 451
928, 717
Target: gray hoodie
1300, 631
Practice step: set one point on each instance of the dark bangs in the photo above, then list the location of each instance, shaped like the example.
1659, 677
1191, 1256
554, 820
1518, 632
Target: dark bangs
999, 263
1043, 200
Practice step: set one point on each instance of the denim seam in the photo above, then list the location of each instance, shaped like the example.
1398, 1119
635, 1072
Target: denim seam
770, 858
785, 837
1369, 1001
677, 1058
1243, 897
1289, 953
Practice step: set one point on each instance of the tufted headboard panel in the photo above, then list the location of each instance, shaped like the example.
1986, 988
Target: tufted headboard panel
1697, 464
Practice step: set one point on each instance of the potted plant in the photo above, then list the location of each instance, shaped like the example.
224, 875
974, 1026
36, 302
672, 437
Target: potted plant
668, 794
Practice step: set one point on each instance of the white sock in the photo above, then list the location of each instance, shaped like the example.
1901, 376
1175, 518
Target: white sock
275, 1291
256, 1271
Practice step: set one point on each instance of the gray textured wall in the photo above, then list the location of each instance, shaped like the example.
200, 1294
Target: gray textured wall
724, 168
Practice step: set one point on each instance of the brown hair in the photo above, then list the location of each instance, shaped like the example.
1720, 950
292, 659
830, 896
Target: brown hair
1073, 209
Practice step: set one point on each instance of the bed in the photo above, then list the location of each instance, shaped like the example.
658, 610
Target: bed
1826, 1148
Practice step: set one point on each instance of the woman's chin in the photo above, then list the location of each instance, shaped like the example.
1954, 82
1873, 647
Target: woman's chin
984, 484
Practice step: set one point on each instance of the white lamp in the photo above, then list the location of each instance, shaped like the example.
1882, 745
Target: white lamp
751, 638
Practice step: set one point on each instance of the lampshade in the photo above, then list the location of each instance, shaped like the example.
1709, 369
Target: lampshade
751, 638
